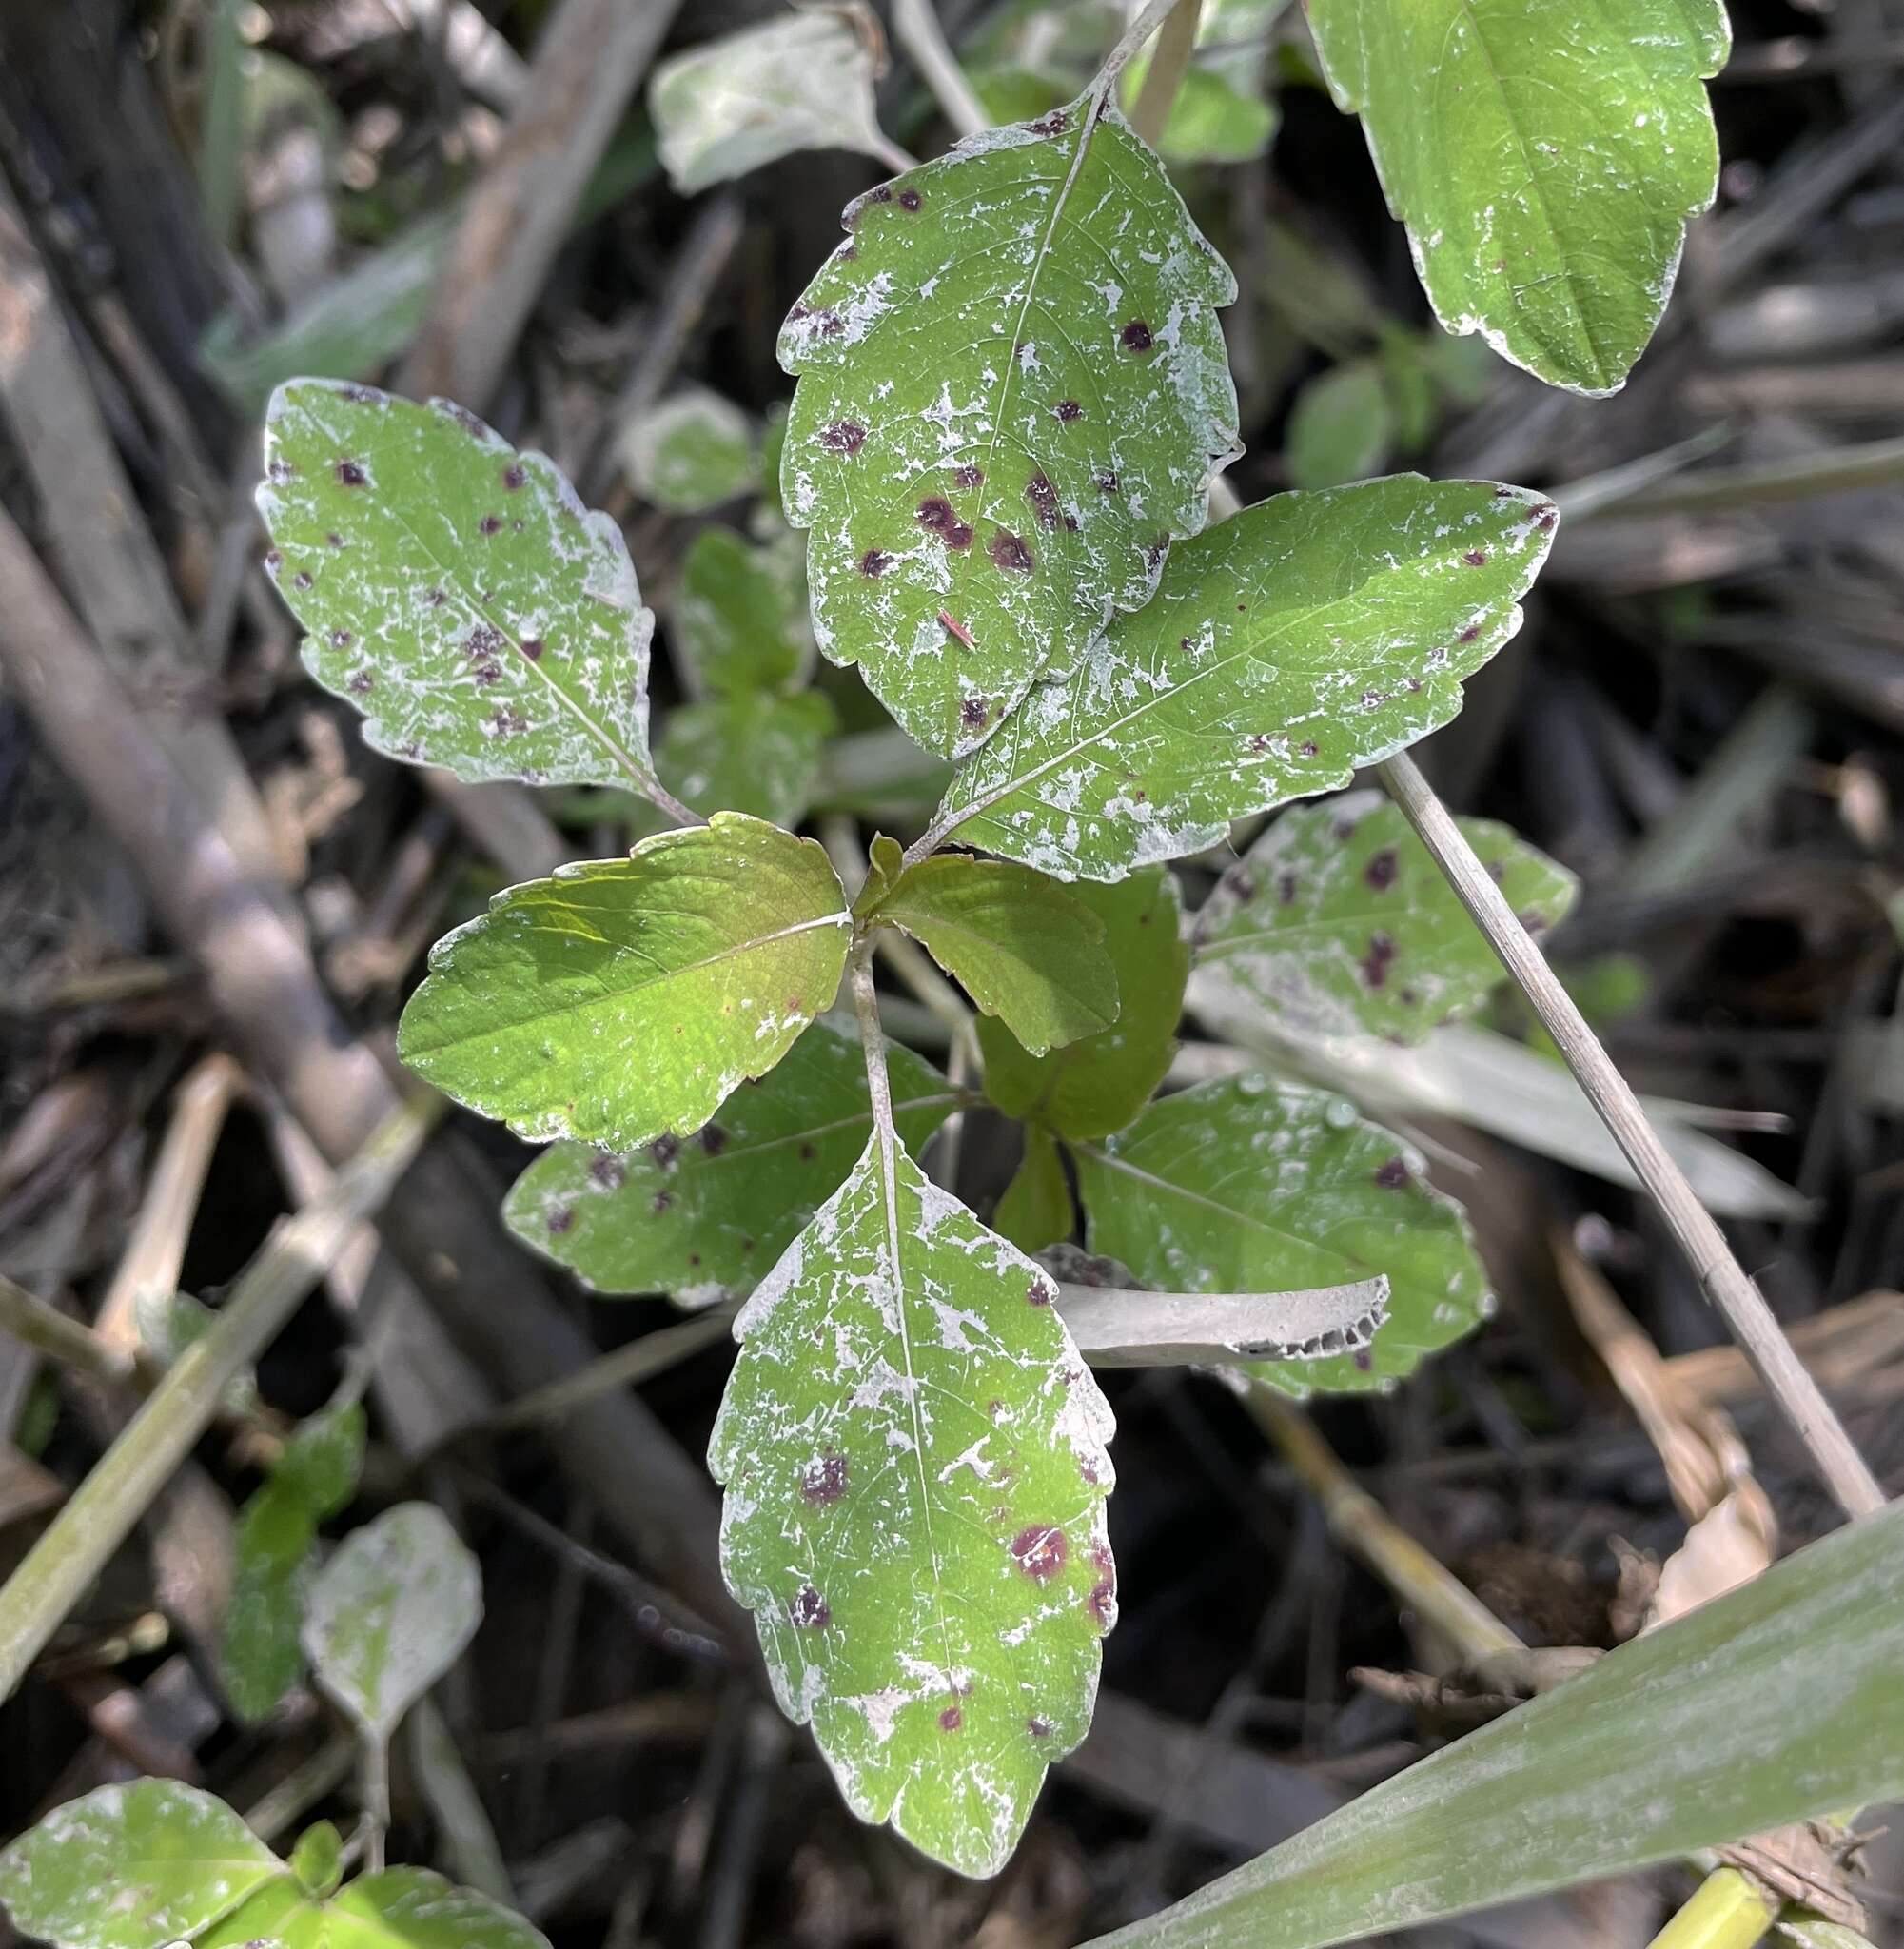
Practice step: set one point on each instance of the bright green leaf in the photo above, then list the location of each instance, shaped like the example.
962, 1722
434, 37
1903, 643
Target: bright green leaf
317, 1861
1013, 396
735, 615
1241, 1186
1210, 121
456, 591
757, 753
391, 1612
703, 1220
1341, 426
260, 1657
1036, 1208
691, 452
1306, 637
397, 1908
1024, 949
1098, 1084
916, 1472
801, 81
1340, 922
1545, 157
1687, 1738
625, 998
131, 1867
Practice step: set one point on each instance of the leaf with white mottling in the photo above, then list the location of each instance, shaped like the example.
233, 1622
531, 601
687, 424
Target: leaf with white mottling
1340, 922
391, 1612
1306, 637
395, 1908
1545, 157
1025, 950
624, 998
131, 1867
691, 452
1012, 397
751, 753
800, 81
456, 592
705, 1217
915, 1470
1099, 1083
1243, 1186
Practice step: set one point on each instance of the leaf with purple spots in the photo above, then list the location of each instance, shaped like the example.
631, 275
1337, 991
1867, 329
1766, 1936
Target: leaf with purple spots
1245, 1186
916, 1473
1338, 922
455, 591
1012, 397
1305, 638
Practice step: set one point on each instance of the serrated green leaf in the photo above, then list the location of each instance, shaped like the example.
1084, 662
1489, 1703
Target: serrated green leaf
757, 753
693, 451
456, 592
1306, 637
396, 1908
735, 615
391, 1612
1036, 1209
1340, 922
317, 1861
703, 1220
1025, 950
1546, 158
1013, 396
1241, 1186
1341, 426
131, 1866
915, 1465
1098, 1084
260, 1655
624, 998
802, 81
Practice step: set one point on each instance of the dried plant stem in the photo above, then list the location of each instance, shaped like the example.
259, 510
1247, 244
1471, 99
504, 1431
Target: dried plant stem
102, 1511
1166, 73
1719, 1275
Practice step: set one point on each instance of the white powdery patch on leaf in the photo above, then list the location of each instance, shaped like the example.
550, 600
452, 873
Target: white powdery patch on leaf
916, 1472
455, 591
1308, 635
1012, 397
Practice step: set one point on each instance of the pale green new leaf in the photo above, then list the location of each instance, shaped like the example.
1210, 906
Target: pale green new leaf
800, 81
624, 998
1687, 1738
1013, 396
1306, 637
1241, 1186
735, 615
1096, 1084
317, 1861
691, 452
1340, 922
1036, 1210
1545, 157
391, 1612
396, 1908
260, 1658
753, 753
1341, 426
456, 592
131, 1866
1024, 949
704, 1219
915, 1465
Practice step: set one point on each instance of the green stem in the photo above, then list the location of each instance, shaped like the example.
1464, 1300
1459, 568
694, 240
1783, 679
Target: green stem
1164, 76
1728, 1912
100, 1514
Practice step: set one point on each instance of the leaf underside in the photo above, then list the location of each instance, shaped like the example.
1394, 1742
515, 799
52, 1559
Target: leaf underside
456, 591
1013, 396
1306, 637
1340, 923
704, 1218
1241, 1186
915, 1465
624, 998
1545, 157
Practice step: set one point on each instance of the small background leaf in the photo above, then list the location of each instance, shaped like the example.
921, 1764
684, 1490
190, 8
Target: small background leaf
693, 451
456, 592
1341, 426
1036, 1210
391, 1612
738, 615
757, 753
